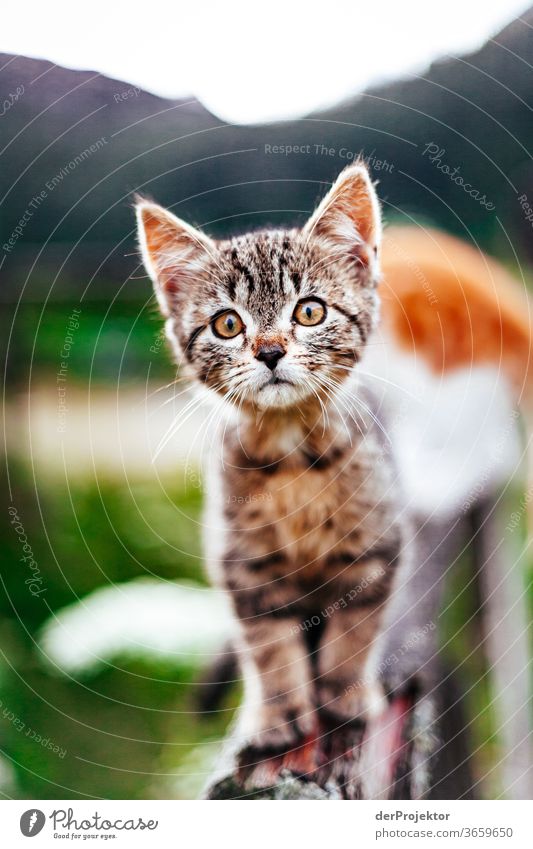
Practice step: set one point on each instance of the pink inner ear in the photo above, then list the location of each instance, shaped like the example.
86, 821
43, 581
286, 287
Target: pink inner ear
159, 234
362, 254
175, 253
365, 211
354, 202
349, 216
340, 227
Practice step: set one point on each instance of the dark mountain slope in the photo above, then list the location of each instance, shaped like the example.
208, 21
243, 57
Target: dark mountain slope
474, 110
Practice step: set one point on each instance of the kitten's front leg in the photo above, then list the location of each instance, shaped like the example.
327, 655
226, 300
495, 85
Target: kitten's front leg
279, 707
348, 689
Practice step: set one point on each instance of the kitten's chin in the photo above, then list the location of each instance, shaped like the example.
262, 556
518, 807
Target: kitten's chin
280, 395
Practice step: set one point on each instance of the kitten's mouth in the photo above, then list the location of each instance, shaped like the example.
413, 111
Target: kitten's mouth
279, 392
275, 380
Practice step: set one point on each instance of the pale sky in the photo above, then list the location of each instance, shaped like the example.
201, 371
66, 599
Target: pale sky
251, 61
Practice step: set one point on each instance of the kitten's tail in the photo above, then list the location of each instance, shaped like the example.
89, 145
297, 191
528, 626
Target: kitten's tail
217, 680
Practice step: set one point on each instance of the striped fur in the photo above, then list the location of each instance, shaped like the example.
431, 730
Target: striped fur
302, 519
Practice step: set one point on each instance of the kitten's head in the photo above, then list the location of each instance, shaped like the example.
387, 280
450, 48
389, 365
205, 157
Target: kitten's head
270, 319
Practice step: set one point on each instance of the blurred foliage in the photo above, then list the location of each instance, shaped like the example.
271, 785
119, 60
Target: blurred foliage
115, 341
126, 727
462, 634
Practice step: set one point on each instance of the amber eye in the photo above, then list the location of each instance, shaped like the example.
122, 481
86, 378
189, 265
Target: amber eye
309, 312
227, 325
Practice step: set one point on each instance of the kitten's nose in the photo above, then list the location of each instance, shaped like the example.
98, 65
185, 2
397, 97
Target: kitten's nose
270, 355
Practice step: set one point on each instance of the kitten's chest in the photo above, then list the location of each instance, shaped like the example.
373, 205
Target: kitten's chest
307, 512
307, 507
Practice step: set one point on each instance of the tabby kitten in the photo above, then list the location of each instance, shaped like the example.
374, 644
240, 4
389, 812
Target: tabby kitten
302, 521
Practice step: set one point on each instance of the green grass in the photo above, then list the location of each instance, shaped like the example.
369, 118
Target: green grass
124, 723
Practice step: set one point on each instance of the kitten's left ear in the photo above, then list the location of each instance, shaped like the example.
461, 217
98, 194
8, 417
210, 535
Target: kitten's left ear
349, 216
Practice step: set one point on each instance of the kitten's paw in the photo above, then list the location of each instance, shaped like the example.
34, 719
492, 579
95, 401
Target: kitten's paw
353, 703
282, 729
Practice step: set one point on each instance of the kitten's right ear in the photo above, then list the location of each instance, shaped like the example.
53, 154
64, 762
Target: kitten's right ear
173, 252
